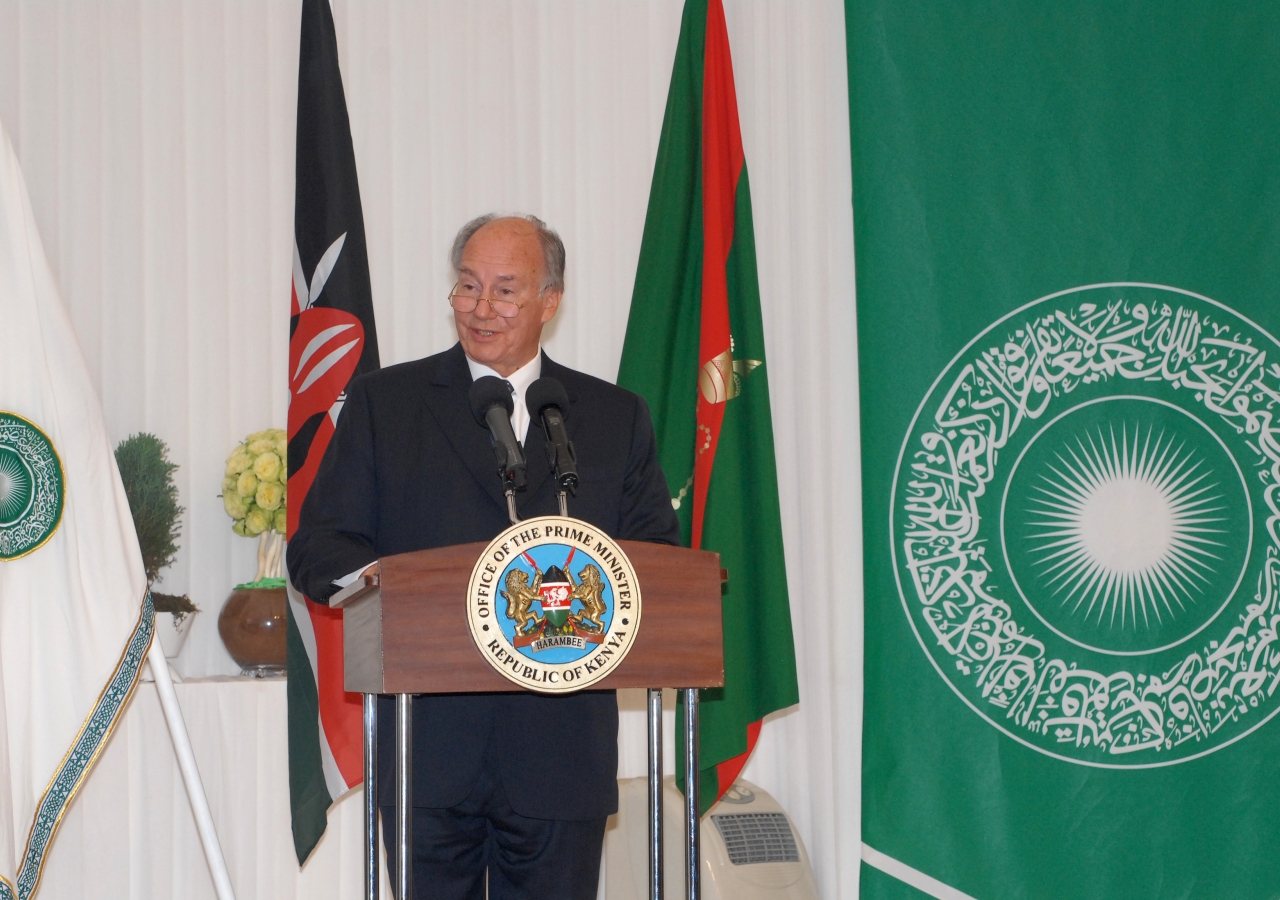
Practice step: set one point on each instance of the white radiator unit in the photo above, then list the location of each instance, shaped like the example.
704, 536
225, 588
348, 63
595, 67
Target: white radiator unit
750, 851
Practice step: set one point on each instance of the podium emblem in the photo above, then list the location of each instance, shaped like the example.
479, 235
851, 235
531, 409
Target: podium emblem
553, 604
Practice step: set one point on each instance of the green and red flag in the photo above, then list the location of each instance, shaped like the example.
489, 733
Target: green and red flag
695, 351
331, 339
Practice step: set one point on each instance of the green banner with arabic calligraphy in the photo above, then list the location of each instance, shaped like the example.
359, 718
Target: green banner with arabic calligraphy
1068, 260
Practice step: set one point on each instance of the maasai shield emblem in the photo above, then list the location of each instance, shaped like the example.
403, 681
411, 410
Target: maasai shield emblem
556, 594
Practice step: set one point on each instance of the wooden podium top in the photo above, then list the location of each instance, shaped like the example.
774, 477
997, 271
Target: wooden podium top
409, 634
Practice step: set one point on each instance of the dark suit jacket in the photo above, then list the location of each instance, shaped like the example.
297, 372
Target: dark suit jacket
409, 468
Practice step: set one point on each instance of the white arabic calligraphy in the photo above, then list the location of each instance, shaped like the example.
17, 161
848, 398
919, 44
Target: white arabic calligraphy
999, 388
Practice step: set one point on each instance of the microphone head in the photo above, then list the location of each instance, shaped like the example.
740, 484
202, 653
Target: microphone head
546, 392
486, 393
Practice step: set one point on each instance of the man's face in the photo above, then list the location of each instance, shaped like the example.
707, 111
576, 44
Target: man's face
504, 261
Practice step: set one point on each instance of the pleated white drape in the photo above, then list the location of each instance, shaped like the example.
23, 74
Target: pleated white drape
157, 140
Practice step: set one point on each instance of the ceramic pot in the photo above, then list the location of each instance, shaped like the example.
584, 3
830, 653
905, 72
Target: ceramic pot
173, 632
252, 625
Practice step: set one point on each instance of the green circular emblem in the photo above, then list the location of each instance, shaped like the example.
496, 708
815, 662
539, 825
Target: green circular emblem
1086, 525
31, 487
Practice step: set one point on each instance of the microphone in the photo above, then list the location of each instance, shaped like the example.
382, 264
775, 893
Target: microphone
491, 404
546, 399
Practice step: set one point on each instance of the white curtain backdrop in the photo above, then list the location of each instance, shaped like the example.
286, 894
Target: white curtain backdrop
157, 141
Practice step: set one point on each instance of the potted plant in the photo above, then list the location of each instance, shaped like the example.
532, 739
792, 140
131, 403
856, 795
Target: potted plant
143, 461
255, 495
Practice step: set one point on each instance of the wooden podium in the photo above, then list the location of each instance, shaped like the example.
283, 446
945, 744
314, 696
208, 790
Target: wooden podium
406, 633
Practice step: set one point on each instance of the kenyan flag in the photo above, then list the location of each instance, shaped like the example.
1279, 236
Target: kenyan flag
331, 339
695, 350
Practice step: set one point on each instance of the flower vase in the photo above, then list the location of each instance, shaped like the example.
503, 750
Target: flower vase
252, 626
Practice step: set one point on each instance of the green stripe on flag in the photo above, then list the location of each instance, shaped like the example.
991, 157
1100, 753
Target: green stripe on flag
660, 353
308, 793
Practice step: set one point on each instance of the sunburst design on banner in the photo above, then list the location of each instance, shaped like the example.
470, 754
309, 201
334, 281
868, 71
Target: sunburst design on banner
16, 488
1128, 526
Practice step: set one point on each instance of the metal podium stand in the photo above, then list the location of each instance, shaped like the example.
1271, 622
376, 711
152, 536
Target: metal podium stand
394, 644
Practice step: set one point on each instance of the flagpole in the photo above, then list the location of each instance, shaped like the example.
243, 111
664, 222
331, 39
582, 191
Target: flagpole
190, 774
692, 848
371, 876
655, 794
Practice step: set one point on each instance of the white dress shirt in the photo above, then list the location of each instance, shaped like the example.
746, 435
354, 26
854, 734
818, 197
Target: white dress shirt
520, 380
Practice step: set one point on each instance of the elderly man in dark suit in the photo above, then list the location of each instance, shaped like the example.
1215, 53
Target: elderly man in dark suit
517, 784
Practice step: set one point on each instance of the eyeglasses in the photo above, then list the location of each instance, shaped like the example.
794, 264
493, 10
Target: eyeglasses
465, 298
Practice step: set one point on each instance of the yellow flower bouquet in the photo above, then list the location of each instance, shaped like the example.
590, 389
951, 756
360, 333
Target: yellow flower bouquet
255, 494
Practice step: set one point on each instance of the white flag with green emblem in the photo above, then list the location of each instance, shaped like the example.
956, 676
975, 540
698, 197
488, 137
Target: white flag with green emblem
75, 619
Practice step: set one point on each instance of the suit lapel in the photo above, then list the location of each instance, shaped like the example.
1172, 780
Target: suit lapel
446, 399
568, 377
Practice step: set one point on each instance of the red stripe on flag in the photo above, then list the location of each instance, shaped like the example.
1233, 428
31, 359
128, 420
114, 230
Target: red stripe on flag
341, 712
721, 166
728, 771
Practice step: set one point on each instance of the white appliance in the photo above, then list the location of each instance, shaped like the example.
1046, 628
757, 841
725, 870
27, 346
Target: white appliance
750, 851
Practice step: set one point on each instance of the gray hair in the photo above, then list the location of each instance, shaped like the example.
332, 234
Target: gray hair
552, 247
